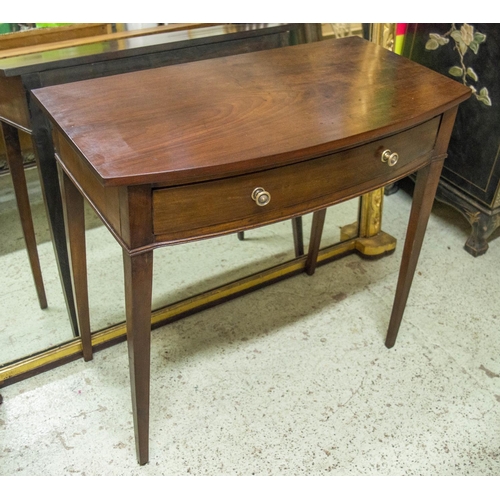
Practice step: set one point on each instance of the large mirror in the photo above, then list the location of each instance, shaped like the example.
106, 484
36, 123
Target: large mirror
180, 272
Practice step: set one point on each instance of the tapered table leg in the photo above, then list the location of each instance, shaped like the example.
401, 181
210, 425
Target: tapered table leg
16, 167
74, 219
298, 237
423, 199
47, 167
318, 223
138, 284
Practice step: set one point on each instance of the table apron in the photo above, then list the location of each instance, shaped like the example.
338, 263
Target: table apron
186, 212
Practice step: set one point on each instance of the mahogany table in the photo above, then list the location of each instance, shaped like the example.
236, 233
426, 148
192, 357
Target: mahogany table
54, 62
193, 151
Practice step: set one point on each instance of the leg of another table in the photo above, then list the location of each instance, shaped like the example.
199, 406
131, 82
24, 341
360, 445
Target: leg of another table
316, 231
15, 162
138, 284
44, 152
74, 220
298, 237
423, 199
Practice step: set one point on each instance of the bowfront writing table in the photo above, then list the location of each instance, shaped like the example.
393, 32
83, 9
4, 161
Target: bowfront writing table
172, 155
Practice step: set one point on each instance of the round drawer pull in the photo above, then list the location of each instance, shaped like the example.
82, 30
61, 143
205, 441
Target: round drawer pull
390, 157
261, 196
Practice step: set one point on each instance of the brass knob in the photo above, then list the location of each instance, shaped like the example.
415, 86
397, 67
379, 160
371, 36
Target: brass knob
261, 196
390, 157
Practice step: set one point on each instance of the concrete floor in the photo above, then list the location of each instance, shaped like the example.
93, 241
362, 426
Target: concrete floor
293, 379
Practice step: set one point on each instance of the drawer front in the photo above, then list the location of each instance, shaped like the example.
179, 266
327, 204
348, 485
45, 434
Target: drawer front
224, 205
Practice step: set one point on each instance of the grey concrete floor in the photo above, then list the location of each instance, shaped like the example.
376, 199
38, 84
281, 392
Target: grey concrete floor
293, 379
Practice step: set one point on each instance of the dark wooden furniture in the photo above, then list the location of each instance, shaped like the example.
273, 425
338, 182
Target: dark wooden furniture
177, 154
470, 181
46, 64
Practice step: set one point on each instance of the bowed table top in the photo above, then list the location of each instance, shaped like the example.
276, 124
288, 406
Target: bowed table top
244, 113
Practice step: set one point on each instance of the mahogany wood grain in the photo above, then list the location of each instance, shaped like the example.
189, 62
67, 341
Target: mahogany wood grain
299, 188
185, 146
170, 125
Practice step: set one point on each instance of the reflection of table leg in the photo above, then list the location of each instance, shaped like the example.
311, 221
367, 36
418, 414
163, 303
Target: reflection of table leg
316, 231
44, 151
423, 199
298, 238
74, 217
138, 284
15, 162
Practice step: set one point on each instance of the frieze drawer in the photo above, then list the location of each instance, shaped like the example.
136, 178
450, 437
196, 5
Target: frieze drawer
220, 206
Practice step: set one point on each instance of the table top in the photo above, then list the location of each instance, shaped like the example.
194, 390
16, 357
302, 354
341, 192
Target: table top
244, 113
130, 46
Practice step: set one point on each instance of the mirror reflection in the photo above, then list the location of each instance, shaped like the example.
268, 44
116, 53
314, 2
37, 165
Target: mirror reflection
180, 271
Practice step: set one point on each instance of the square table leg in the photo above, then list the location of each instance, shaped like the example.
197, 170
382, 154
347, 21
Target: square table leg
318, 223
423, 199
138, 271
74, 220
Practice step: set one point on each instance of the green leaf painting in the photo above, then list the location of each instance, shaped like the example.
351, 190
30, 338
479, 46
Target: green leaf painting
484, 97
465, 38
472, 74
456, 71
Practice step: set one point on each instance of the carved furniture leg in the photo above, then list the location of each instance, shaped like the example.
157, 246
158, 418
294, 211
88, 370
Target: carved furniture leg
316, 232
74, 218
483, 220
16, 167
483, 226
138, 283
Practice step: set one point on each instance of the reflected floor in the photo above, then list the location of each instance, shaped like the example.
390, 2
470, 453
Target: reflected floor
180, 271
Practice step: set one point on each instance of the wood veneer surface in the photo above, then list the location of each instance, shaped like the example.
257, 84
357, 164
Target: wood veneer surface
212, 119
